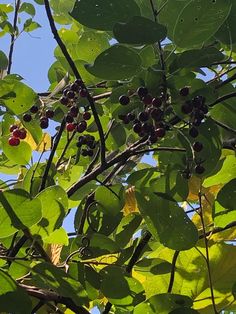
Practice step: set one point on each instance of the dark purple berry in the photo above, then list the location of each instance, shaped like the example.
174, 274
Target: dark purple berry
69, 118
156, 114
198, 101
49, 113
74, 87
131, 116
34, 109
70, 94
44, 123
90, 152
186, 174
187, 107
124, 100
82, 126
79, 82
16, 133
126, 120
160, 132
86, 115
137, 127
184, 91
65, 91
142, 91
156, 102
204, 109
147, 100
199, 115
197, 122
27, 117
74, 110
197, 147
64, 100
146, 127
153, 138
143, 116
193, 132
84, 152
83, 93
23, 134
199, 169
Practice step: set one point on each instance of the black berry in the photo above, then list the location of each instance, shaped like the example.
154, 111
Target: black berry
142, 91
193, 132
74, 110
143, 116
197, 147
49, 113
137, 127
147, 100
44, 123
82, 126
156, 102
199, 169
83, 93
70, 94
86, 115
64, 100
124, 100
27, 117
187, 107
184, 91
34, 109
69, 118
160, 132
131, 116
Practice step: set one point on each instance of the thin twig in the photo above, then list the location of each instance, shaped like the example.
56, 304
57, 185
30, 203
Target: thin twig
207, 252
224, 126
53, 151
65, 149
172, 274
78, 76
223, 98
13, 35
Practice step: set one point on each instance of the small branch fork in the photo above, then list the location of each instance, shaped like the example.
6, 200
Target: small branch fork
13, 35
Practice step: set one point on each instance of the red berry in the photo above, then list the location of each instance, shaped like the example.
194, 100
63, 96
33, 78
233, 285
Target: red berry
124, 100
14, 141
86, 115
27, 117
70, 127
197, 147
13, 127
16, 133
23, 134
160, 132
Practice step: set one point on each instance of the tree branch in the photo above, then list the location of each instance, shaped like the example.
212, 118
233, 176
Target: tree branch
223, 98
78, 76
53, 151
51, 296
13, 36
172, 275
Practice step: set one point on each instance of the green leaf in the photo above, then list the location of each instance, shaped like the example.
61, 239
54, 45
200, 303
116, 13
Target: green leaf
225, 33
115, 63
167, 221
163, 304
18, 211
20, 154
139, 31
197, 58
13, 299
27, 8
123, 290
30, 25
191, 23
184, 310
3, 61
102, 245
49, 276
58, 236
117, 137
16, 96
226, 172
152, 266
54, 203
104, 14
111, 200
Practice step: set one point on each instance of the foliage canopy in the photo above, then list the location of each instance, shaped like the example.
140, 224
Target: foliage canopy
142, 97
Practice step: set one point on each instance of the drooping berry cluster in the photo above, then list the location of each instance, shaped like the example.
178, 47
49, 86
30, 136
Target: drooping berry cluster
44, 116
197, 109
17, 134
88, 142
149, 122
71, 93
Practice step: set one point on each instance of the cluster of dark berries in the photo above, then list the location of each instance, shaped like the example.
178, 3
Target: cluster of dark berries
71, 93
17, 134
149, 122
89, 142
44, 116
74, 122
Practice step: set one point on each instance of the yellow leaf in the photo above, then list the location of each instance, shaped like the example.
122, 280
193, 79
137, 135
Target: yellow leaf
54, 252
44, 145
130, 201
